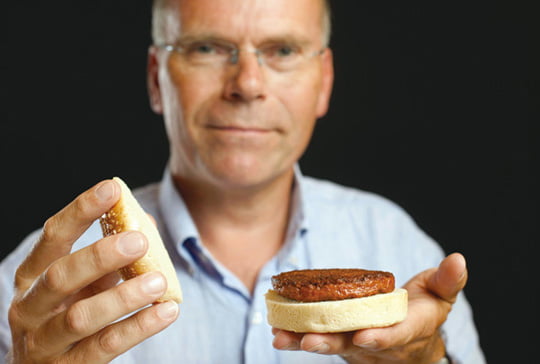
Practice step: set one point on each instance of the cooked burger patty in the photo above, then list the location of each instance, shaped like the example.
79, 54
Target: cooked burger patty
314, 285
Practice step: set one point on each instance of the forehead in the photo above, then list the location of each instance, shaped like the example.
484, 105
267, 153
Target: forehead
250, 20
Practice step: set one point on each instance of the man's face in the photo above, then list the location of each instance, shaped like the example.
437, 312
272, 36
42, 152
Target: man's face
244, 124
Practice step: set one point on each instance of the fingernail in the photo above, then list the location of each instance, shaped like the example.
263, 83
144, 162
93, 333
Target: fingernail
368, 345
131, 243
105, 191
463, 268
153, 284
320, 348
167, 310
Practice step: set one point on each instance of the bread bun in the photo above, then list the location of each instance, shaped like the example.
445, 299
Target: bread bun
379, 310
128, 215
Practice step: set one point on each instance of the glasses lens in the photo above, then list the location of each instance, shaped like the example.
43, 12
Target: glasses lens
206, 53
282, 57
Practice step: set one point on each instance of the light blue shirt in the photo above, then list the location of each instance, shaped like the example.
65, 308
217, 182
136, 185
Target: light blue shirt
331, 226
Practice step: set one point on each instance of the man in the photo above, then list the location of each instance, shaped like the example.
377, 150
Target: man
240, 84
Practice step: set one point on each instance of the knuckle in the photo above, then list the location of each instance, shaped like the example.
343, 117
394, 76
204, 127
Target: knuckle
53, 230
55, 278
81, 206
21, 278
98, 256
125, 295
14, 316
110, 341
50, 229
144, 322
383, 343
76, 319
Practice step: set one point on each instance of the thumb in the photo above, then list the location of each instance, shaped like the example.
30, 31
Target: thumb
450, 277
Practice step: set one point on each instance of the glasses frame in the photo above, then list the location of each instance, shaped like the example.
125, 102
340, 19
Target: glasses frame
234, 53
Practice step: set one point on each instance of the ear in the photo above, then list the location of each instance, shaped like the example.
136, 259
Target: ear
327, 82
152, 80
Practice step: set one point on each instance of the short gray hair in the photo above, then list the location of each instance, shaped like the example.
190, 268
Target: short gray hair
159, 18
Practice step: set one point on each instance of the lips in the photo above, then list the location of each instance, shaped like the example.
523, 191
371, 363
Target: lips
242, 120
237, 128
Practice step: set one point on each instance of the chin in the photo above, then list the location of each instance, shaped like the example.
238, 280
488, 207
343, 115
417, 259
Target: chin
245, 176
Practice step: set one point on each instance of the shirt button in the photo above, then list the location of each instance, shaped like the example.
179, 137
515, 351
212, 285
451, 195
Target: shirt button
257, 318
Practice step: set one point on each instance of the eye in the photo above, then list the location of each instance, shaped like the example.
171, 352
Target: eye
202, 48
281, 52
284, 51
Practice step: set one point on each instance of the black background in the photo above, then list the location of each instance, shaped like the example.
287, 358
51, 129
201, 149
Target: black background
429, 109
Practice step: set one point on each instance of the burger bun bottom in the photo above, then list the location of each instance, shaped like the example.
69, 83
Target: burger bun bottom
379, 310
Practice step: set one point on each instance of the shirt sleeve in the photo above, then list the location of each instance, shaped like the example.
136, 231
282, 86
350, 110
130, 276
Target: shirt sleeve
396, 230
7, 274
460, 335
459, 331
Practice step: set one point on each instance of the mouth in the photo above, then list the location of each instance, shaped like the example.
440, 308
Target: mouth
240, 129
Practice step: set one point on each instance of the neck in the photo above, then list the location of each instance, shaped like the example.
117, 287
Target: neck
243, 228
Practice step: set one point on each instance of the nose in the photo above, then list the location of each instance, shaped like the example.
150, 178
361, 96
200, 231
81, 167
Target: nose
246, 78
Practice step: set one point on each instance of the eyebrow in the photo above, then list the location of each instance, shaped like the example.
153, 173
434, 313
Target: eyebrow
200, 38
212, 37
289, 38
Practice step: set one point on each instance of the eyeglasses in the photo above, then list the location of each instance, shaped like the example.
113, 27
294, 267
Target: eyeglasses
277, 56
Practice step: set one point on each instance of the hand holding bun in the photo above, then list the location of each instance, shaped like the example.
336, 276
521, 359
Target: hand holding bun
334, 300
128, 215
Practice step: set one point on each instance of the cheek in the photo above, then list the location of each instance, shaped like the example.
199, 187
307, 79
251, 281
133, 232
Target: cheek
301, 100
186, 96
301, 93
185, 91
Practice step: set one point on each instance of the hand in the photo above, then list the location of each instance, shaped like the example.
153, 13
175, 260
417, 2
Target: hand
66, 304
415, 340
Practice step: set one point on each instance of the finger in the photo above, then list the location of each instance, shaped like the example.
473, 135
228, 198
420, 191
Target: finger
431, 295
338, 343
64, 228
73, 272
286, 340
120, 337
102, 284
450, 278
423, 319
85, 318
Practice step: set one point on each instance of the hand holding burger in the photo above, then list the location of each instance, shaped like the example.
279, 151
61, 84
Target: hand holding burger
416, 339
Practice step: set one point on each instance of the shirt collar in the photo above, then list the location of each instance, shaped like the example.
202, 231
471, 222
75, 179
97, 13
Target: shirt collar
183, 231
176, 217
